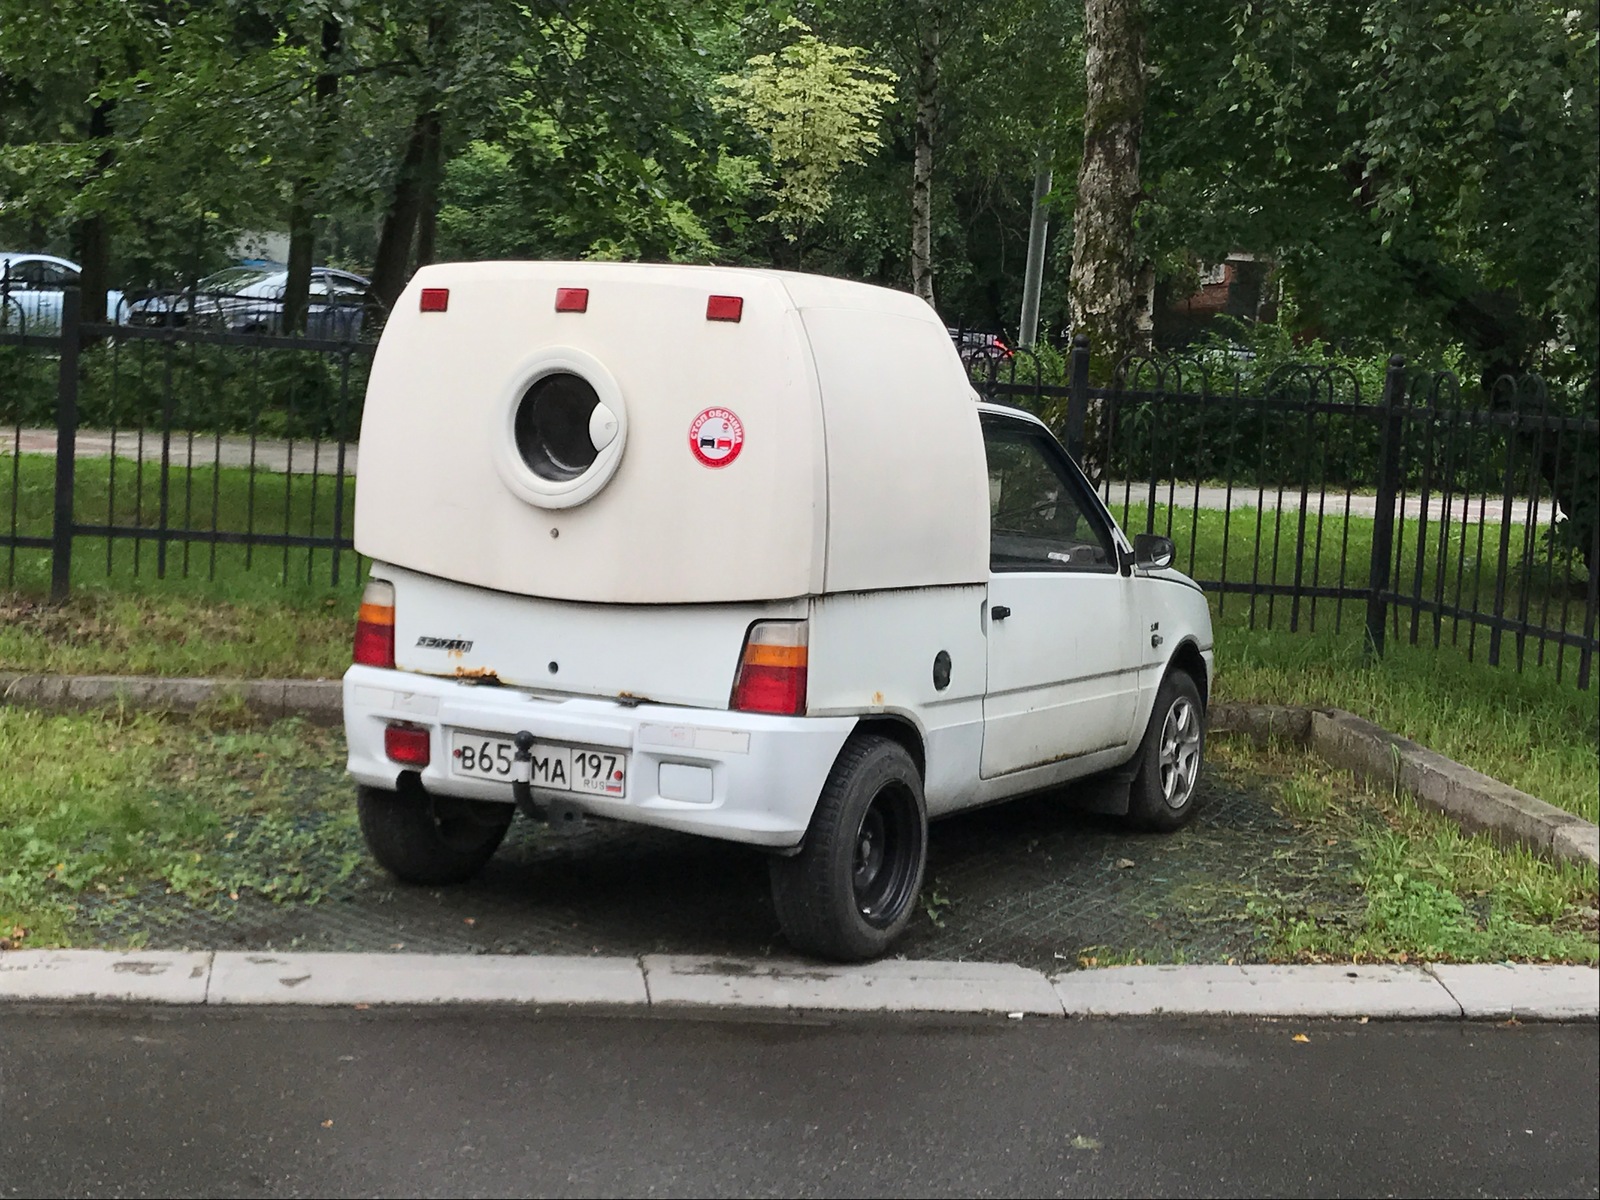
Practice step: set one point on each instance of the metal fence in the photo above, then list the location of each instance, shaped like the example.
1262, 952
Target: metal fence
1408, 505
175, 450
1434, 511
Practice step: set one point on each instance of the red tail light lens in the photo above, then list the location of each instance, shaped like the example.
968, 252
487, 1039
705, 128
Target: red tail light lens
772, 669
374, 644
408, 744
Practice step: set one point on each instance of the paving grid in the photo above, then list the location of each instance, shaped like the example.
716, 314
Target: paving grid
1033, 882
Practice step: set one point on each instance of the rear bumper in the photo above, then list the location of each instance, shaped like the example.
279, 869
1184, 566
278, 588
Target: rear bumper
752, 778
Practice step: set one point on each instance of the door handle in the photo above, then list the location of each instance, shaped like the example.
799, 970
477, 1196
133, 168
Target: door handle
1000, 612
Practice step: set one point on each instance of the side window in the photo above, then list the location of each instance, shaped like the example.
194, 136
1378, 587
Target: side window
38, 275
1037, 518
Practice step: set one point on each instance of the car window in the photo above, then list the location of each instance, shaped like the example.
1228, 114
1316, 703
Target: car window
41, 275
235, 279
1038, 517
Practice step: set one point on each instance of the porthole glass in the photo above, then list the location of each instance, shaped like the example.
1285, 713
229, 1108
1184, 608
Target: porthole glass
552, 427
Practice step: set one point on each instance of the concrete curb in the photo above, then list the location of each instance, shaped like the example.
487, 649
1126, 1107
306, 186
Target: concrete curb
318, 700
1476, 802
681, 984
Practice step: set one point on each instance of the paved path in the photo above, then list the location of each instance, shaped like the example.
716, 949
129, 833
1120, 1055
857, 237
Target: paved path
471, 1102
302, 457
273, 454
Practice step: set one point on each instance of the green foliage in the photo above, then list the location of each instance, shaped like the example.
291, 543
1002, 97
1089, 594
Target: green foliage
817, 106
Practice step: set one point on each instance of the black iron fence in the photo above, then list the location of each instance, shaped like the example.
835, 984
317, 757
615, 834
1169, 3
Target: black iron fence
176, 449
1436, 511
1403, 505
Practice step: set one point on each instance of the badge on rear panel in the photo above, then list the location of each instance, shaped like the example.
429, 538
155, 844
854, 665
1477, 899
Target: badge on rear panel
716, 436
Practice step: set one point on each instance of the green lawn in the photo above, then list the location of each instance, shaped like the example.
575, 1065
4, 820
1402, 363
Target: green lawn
92, 805
1427, 891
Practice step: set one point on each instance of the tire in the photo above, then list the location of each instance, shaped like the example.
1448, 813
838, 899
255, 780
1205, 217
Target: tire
430, 840
1162, 796
853, 887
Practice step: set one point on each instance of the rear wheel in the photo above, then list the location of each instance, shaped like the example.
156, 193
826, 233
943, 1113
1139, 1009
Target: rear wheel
853, 887
1163, 793
426, 839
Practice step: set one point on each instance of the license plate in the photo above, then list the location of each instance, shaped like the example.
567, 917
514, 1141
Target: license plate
555, 767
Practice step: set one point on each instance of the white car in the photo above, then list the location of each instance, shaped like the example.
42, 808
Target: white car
738, 553
31, 287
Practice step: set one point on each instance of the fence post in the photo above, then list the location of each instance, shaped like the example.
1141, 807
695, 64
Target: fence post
1389, 434
66, 445
1078, 396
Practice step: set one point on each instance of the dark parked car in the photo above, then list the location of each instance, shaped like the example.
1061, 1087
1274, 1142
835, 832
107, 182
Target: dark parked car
249, 299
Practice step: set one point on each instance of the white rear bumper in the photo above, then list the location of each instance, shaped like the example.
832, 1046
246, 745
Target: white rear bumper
754, 778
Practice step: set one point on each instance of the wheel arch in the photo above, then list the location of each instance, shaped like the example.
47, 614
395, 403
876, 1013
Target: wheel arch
1188, 659
897, 729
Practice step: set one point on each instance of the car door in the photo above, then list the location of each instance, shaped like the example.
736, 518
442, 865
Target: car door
1062, 625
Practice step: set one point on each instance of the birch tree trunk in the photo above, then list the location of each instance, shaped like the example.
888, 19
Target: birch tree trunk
1104, 288
922, 159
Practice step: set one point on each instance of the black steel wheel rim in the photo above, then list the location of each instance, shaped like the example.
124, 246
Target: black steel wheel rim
888, 848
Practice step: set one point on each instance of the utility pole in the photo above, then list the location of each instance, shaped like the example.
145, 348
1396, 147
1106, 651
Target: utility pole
1033, 281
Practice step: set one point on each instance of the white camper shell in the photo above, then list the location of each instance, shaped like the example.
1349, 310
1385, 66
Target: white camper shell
737, 553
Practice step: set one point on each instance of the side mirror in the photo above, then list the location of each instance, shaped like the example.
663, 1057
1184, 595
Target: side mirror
1153, 552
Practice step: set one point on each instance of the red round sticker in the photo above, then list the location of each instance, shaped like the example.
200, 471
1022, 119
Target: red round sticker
716, 436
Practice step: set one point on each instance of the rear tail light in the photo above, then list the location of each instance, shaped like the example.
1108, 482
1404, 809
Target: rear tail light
407, 744
374, 646
724, 308
772, 670
435, 299
572, 299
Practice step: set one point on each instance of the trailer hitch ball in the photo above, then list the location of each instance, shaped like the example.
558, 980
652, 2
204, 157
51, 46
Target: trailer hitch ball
522, 776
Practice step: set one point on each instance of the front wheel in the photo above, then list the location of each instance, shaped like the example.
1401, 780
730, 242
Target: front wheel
853, 887
430, 840
1169, 759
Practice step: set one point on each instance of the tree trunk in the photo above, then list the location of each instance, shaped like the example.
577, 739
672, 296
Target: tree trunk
428, 216
1104, 288
93, 234
302, 230
392, 267
922, 153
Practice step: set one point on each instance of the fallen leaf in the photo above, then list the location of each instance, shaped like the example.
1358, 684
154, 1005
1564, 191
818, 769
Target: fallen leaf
1124, 863
1300, 1037
328, 1124
1079, 1142
362, 1007
469, 920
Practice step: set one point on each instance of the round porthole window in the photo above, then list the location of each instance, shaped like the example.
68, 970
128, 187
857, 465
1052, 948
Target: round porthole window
560, 430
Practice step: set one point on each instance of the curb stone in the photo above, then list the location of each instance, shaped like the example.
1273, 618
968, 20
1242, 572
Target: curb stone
317, 700
678, 984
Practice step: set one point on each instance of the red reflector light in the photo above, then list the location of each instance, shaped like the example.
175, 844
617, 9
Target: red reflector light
408, 744
724, 308
435, 299
572, 299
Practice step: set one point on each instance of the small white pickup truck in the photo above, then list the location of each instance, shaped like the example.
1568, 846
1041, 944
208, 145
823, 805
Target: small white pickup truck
738, 553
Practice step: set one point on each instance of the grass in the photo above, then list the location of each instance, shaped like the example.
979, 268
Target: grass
1523, 729
107, 806
103, 632
1429, 892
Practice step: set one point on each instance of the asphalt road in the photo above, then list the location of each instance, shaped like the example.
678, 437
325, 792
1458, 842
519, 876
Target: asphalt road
502, 1103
